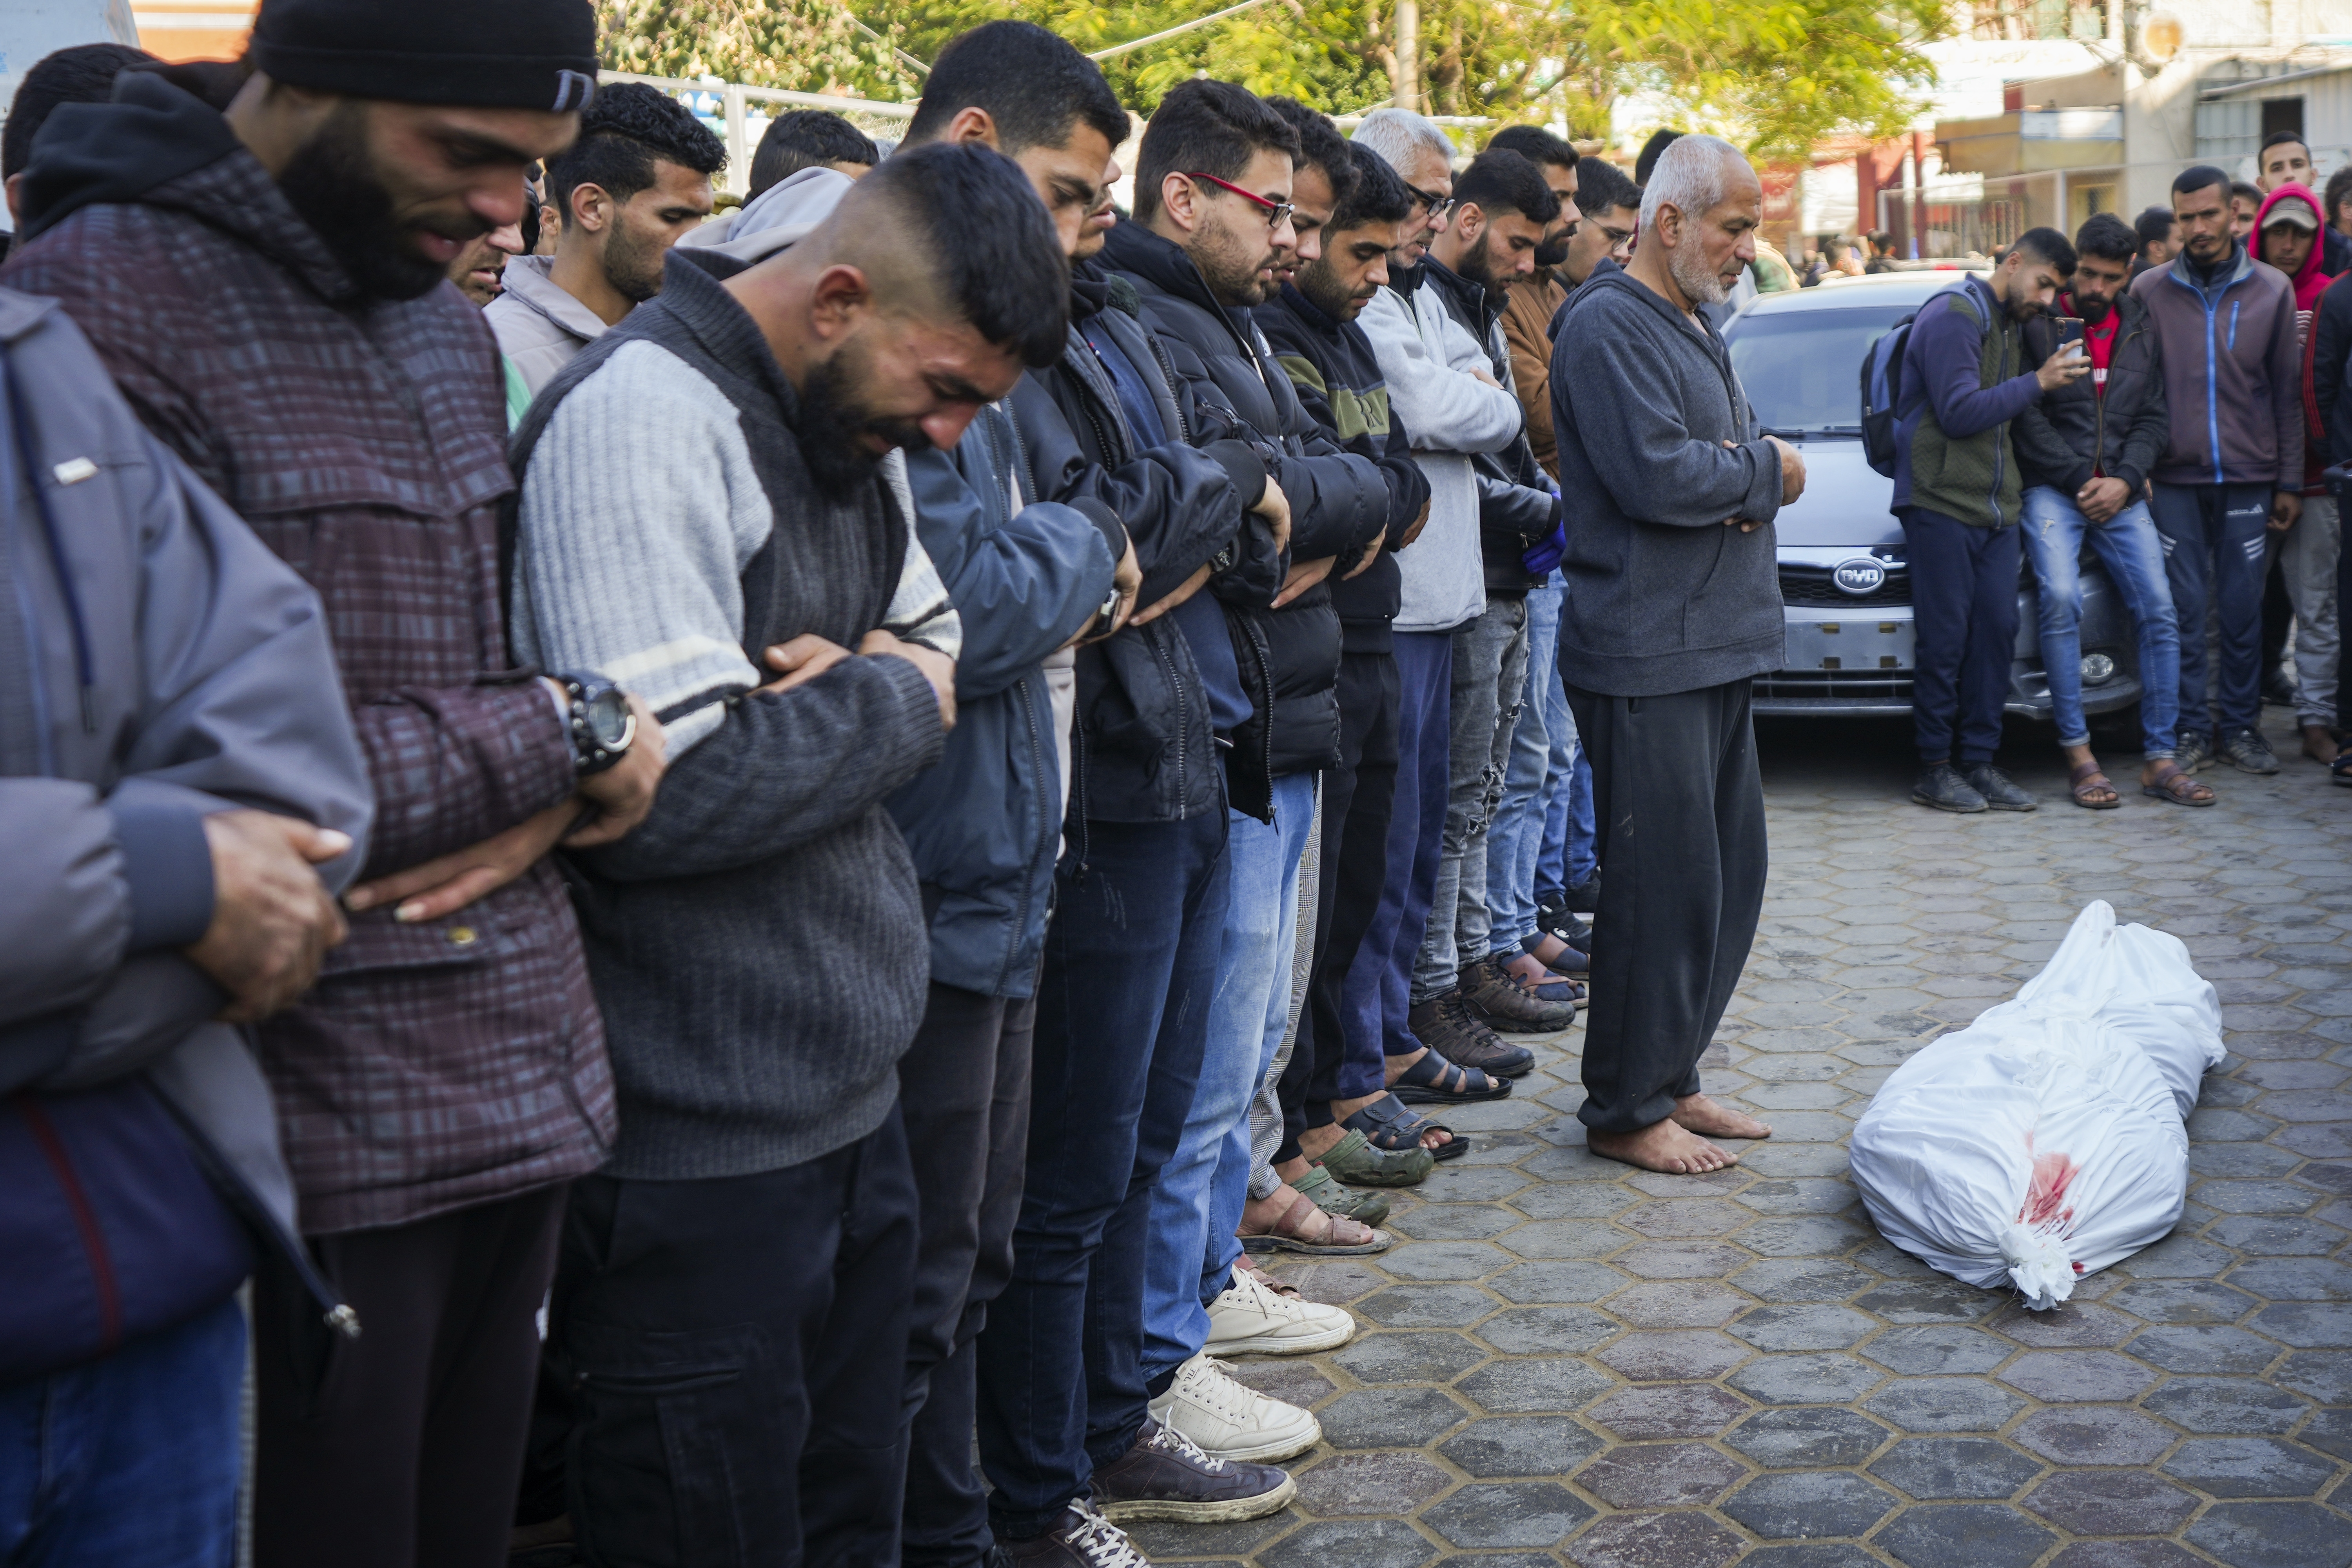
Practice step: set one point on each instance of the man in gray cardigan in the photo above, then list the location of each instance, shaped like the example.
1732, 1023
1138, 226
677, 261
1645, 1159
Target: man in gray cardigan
1674, 606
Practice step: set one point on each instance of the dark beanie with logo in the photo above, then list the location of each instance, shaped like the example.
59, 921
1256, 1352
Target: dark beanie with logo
484, 53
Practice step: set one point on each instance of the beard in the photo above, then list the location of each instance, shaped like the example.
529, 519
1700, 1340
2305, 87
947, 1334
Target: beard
1321, 285
1231, 268
1478, 266
1695, 275
833, 415
632, 265
332, 183
2024, 310
2092, 310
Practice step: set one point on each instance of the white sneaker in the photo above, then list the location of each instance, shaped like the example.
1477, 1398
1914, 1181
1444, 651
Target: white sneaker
1250, 1318
1230, 1419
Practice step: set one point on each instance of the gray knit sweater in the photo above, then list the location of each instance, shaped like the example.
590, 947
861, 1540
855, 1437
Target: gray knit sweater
758, 944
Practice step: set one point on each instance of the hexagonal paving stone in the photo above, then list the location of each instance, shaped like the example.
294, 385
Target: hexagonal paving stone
1524, 1384
1653, 1540
1945, 1405
1678, 1304
2274, 1535
1802, 1328
1927, 1301
1806, 1504
1964, 1535
2305, 1323
2325, 1375
1929, 1349
2249, 1467
1815, 1236
2226, 1405
1521, 1445
1160, 1540
1802, 1280
1360, 1543
1949, 1468
1802, 1437
1546, 1331
1564, 1238
2295, 1278
1822, 1378
1369, 1483
1510, 1513
2092, 1435
2111, 1502
2077, 1377
2071, 1325
1443, 1261
2183, 1302
1427, 1306
1294, 1380
1670, 1410
1429, 1356
1572, 1199
1387, 1419
2260, 1236
2203, 1348
1686, 1216
2125, 1554
1811, 1554
1660, 1475
1681, 1260
1652, 1357
1454, 1221
1544, 1283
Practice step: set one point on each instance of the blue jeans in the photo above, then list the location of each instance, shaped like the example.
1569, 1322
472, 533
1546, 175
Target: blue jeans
1567, 859
1378, 995
130, 1460
1490, 657
2217, 555
1198, 1199
1515, 840
2128, 547
1123, 1015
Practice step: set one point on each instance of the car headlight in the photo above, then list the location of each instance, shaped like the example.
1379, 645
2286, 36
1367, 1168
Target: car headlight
2097, 668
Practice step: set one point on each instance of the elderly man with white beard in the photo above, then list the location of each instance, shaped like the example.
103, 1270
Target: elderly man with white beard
1673, 607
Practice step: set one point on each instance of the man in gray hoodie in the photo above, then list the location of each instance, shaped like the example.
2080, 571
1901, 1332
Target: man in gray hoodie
1673, 607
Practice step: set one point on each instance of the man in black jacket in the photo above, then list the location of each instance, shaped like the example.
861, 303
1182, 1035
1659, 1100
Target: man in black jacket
1214, 187
2085, 452
1139, 899
1311, 327
1503, 208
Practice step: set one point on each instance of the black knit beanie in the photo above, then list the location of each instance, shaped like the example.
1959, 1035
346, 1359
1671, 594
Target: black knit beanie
486, 54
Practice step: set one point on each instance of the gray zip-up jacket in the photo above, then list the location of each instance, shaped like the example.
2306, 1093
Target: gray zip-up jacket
1662, 597
157, 665
541, 328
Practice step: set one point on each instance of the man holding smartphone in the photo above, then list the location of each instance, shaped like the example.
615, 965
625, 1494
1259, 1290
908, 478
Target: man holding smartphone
2085, 450
1958, 491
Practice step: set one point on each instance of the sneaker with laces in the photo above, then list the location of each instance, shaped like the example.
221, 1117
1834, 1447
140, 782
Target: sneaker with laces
1230, 1419
1507, 1005
1249, 1317
2193, 752
1556, 919
1448, 1025
1166, 1475
1080, 1538
2246, 751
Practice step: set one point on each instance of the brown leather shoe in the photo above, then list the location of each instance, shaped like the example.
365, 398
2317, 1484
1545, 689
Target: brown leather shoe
1166, 1475
1448, 1025
1502, 1003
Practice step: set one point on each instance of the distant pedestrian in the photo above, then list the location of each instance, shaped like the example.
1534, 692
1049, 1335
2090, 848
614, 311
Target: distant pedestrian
2245, 201
808, 139
2159, 239
1882, 253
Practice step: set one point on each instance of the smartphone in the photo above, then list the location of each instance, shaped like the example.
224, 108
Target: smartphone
2070, 332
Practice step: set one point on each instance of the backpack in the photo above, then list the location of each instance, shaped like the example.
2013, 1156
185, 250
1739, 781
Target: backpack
1882, 392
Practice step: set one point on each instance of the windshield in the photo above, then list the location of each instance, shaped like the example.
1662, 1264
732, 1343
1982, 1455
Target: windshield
1802, 369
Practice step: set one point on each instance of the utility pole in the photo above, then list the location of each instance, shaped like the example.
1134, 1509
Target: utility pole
1407, 93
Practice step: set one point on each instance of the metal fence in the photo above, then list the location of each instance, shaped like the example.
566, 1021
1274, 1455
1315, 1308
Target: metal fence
740, 115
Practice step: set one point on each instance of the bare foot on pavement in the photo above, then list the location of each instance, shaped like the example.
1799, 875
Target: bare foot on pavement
1661, 1146
1713, 1118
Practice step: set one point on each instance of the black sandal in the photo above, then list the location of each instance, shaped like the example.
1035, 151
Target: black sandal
1424, 1083
1387, 1124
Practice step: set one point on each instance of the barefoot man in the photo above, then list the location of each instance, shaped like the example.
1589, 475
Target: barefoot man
1674, 606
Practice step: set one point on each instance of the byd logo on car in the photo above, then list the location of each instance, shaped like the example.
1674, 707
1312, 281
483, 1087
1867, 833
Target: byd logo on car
1863, 576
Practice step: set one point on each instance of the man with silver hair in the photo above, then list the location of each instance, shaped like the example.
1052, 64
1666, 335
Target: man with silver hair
1673, 607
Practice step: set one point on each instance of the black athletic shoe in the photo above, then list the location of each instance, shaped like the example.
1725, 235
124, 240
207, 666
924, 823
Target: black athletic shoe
1554, 920
1941, 786
1585, 897
1999, 793
2246, 751
1166, 1476
2194, 750
2277, 690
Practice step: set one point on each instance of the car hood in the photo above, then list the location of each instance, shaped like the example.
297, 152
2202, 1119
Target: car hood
1845, 504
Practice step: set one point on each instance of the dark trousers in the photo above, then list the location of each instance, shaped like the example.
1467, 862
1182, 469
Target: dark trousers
1122, 1018
1681, 813
963, 1093
401, 1448
1349, 874
737, 1349
1376, 998
2216, 542
1964, 611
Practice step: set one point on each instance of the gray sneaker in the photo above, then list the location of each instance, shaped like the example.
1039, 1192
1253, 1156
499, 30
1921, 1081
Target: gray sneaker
2246, 751
1941, 786
2000, 794
2194, 751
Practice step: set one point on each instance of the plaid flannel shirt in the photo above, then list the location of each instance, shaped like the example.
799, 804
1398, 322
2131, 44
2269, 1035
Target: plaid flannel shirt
434, 1066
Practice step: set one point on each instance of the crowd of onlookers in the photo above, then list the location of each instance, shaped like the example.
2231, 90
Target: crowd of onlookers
2165, 397
688, 860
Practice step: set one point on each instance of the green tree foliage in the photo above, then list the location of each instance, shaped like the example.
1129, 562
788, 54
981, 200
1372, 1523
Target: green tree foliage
806, 46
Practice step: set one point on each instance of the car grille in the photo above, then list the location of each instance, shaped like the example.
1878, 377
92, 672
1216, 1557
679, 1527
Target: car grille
1858, 686
1812, 585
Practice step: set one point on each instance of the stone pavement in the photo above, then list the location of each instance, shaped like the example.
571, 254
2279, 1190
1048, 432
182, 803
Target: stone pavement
1565, 1361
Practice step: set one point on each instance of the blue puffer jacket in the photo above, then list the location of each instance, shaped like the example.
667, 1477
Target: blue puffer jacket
984, 824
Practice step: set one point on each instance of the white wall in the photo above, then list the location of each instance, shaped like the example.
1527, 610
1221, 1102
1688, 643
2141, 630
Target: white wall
30, 29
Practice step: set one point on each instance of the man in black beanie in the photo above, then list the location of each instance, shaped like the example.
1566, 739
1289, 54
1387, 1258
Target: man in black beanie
261, 264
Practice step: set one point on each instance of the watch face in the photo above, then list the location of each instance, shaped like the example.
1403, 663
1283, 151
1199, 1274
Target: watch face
608, 717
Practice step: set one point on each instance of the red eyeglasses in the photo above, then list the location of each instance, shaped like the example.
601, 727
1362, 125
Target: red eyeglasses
1277, 213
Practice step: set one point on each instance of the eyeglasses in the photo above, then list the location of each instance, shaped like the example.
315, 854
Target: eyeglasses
1277, 213
1438, 205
